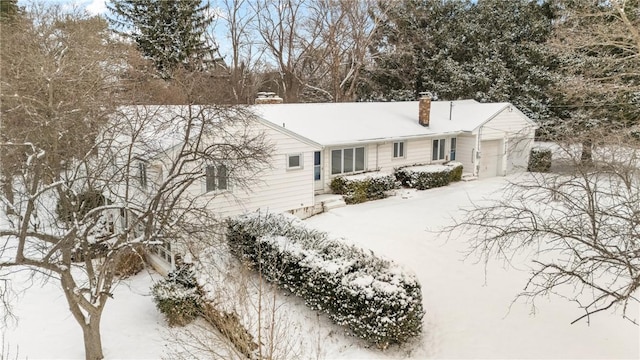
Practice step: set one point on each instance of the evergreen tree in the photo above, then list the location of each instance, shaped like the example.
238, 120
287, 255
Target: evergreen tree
8, 9
171, 33
489, 50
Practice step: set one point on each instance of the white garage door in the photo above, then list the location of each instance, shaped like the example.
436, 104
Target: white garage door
490, 158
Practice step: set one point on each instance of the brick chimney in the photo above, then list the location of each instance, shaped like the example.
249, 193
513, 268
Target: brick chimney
424, 108
265, 97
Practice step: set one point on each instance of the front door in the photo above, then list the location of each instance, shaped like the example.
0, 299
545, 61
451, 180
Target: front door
317, 171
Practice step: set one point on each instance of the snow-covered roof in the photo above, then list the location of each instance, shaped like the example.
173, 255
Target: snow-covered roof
348, 123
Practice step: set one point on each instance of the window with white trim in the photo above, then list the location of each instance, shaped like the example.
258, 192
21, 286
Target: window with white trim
217, 178
142, 174
347, 160
164, 250
294, 161
452, 150
438, 149
398, 149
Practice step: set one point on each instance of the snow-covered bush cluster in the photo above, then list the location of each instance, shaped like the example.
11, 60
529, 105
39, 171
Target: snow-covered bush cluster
539, 160
429, 176
363, 187
373, 297
178, 296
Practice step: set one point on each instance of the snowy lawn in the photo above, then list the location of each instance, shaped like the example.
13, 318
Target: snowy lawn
131, 328
469, 313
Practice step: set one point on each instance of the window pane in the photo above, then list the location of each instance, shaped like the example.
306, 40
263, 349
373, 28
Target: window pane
348, 160
395, 149
360, 159
434, 151
453, 143
316, 172
401, 151
316, 158
294, 161
142, 173
336, 161
442, 142
211, 178
222, 177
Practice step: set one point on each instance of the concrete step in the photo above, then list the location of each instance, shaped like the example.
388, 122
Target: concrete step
333, 204
468, 177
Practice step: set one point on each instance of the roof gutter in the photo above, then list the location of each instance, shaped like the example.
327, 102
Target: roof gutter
398, 138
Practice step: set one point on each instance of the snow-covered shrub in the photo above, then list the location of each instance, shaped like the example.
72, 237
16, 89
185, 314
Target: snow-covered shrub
539, 160
129, 261
455, 173
375, 298
178, 296
363, 187
424, 177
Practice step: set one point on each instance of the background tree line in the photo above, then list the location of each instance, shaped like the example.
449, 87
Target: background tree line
562, 62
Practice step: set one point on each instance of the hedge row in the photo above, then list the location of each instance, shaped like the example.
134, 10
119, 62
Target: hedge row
429, 176
539, 160
364, 187
373, 297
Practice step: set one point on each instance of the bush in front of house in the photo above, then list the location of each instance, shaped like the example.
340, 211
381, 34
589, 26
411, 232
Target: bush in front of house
129, 261
455, 172
539, 160
363, 187
178, 296
373, 297
424, 177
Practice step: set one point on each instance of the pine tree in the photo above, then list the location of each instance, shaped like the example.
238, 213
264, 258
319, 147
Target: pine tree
8, 9
488, 50
171, 33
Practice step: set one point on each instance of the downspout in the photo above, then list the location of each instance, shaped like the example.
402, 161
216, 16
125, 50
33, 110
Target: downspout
377, 151
476, 164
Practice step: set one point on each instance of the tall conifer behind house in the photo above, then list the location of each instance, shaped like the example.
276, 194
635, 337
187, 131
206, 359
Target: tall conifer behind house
171, 33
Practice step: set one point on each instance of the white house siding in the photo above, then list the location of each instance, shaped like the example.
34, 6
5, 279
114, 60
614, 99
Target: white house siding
276, 189
416, 152
510, 122
379, 156
465, 152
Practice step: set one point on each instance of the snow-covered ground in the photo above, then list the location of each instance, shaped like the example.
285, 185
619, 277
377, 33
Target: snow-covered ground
469, 312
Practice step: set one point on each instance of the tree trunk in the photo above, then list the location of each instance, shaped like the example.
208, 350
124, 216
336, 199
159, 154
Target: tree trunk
7, 190
92, 340
587, 149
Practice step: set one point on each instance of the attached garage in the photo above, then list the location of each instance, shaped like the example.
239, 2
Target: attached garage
490, 159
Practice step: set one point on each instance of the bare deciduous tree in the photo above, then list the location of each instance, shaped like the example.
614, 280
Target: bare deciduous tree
341, 50
238, 17
90, 181
147, 172
598, 45
279, 25
581, 224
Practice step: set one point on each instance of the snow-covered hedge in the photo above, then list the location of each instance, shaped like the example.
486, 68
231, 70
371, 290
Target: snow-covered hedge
424, 177
363, 187
373, 297
178, 296
539, 160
